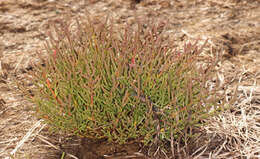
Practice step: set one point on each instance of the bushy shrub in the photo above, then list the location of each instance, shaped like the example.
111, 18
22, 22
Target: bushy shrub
123, 86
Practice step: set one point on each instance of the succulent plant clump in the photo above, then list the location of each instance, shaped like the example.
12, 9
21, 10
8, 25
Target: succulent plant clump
129, 87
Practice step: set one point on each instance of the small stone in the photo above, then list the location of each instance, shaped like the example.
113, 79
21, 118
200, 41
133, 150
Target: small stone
165, 4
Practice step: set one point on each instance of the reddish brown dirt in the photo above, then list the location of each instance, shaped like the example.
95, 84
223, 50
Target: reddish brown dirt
102, 149
231, 25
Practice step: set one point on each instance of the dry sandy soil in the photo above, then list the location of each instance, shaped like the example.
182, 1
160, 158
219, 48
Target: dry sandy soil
232, 27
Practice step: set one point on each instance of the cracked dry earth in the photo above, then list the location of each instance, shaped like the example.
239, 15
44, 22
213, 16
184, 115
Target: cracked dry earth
231, 26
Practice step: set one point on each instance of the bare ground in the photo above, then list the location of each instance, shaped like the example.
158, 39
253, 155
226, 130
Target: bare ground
231, 27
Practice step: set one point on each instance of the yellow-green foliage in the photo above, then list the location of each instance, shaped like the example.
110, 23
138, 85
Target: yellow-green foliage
98, 86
